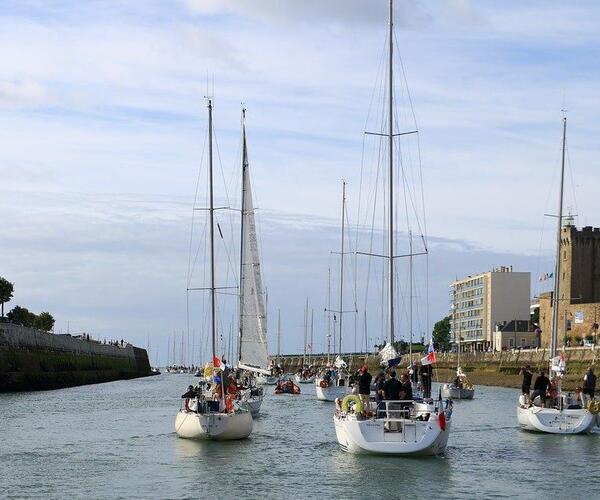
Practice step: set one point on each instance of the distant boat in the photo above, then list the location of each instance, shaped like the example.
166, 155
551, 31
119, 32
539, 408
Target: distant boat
555, 415
305, 374
461, 387
334, 380
221, 420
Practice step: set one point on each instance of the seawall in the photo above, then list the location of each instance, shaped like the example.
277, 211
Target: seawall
35, 360
483, 368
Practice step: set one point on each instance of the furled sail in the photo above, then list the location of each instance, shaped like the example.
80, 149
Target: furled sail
253, 328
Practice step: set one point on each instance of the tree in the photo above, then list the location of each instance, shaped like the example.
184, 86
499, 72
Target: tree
441, 333
21, 316
6, 292
44, 321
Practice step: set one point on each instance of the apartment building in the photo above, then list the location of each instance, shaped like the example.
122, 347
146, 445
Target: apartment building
479, 302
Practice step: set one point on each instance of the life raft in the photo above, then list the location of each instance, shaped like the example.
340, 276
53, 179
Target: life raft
357, 403
323, 384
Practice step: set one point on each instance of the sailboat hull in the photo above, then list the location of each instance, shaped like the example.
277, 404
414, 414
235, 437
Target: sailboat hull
213, 426
252, 404
371, 437
450, 391
555, 421
300, 380
266, 380
332, 392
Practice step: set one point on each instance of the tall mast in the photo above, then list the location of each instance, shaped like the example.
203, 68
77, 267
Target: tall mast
212, 233
555, 315
391, 178
242, 239
278, 334
328, 314
305, 327
341, 308
410, 293
312, 323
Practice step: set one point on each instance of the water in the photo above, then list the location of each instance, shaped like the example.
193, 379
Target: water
116, 440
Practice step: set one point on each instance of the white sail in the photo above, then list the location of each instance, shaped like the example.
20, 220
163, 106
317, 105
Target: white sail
253, 329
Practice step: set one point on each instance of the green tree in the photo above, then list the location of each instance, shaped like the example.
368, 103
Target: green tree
21, 316
44, 321
441, 333
6, 292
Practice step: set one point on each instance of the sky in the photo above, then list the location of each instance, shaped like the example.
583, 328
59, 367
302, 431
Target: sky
102, 139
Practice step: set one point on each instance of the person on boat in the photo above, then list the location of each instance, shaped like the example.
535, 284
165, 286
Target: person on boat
364, 386
578, 402
426, 372
379, 381
327, 376
527, 375
552, 393
458, 382
191, 393
589, 383
406, 389
391, 388
542, 382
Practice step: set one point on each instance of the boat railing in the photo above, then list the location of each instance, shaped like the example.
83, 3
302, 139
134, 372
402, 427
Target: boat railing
395, 410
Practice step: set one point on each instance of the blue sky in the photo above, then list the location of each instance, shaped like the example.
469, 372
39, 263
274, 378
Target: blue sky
102, 122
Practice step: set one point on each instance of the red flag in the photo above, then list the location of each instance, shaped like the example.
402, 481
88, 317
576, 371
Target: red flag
216, 362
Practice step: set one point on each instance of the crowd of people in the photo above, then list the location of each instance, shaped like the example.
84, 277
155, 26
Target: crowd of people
545, 390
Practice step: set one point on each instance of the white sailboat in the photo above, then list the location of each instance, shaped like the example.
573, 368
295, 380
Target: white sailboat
305, 374
398, 427
555, 415
221, 420
461, 388
333, 382
271, 379
252, 347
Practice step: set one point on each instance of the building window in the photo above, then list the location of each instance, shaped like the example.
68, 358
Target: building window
511, 342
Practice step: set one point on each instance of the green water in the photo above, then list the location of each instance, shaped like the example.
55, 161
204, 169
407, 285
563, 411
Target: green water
116, 440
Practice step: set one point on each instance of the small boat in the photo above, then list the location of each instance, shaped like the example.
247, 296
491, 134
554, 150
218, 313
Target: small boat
286, 387
334, 384
304, 379
461, 388
398, 428
154, 371
266, 379
555, 414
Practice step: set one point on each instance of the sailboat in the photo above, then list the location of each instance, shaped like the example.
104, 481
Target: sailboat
223, 419
305, 374
556, 415
273, 376
252, 341
460, 388
333, 382
397, 427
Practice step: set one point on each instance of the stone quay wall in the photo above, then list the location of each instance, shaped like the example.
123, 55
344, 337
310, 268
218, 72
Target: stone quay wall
485, 368
34, 360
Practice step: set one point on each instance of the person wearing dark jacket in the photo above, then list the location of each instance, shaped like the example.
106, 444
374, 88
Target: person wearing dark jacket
391, 388
426, 372
542, 382
589, 383
527, 375
191, 393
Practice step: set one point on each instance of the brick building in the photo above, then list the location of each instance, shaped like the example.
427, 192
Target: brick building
579, 293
